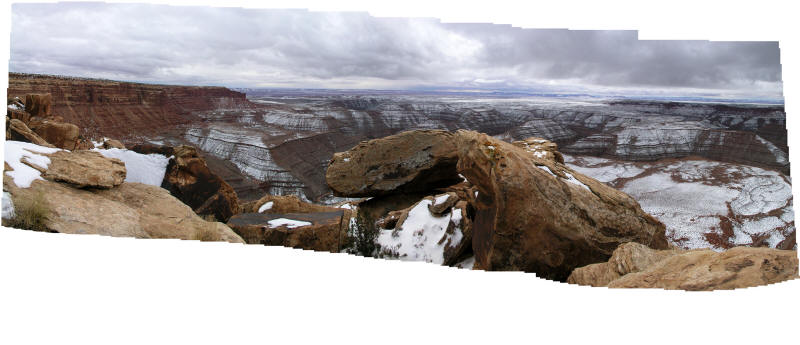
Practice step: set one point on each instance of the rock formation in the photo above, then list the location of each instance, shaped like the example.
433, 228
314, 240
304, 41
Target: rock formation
189, 179
634, 265
532, 213
406, 162
85, 169
107, 206
320, 231
119, 109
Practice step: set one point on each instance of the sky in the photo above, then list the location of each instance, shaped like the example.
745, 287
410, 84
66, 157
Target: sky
252, 48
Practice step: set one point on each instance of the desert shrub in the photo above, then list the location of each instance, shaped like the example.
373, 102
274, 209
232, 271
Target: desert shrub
30, 213
362, 236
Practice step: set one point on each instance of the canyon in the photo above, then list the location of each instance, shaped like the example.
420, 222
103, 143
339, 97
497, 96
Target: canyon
280, 142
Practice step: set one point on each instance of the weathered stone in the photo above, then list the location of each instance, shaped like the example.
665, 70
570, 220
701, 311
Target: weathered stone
536, 215
18, 131
412, 161
85, 169
59, 134
38, 104
449, 199
327, 230
635, 266
189, 179
128, 210
284, 204
113, 144
541, 148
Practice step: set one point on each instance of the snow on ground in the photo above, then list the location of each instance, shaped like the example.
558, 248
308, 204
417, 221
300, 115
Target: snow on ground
24, 175
8, 206
423, 236
700, 200
573, 180
267, 206
147, 169
467, 263
289, 223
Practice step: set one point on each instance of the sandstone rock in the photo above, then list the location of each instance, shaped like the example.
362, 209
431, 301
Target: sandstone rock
128, 210
59, 134
146, 149
320, 231
284, 204
541, 148
113, 144
20, 132
442, 203
18, 115
411, 161
85, 169
189, 179
38, 104
536, 215
635, 266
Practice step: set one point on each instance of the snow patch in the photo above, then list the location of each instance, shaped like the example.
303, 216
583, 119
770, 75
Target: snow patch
23, 174
420, 236
8, 206
147, 169
266, 206
440, 199
289, 223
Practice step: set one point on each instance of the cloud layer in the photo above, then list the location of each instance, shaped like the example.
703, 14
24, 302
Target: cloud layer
298, 48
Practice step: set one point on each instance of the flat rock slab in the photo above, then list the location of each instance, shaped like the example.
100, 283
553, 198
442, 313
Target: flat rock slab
326, 232
84, 169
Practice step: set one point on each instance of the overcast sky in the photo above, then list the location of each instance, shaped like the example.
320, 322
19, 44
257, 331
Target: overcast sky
296, 48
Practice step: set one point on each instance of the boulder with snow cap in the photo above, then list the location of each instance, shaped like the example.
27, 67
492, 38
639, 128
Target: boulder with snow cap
536, 215
442, 203
634, 265
320, 231
413, 161
283, 204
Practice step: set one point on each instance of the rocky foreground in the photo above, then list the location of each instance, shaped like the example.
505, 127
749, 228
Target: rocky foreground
456, 198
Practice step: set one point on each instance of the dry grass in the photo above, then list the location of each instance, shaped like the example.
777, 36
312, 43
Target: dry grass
30, 213
207, 232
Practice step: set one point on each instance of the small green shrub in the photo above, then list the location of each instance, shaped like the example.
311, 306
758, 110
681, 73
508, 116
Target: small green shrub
362, 236
31, 213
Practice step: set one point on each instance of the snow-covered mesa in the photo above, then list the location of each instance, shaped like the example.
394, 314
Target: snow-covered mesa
141, 168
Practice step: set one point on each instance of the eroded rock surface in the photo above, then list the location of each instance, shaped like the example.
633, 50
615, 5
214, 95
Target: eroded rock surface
636, 266
84, 169
411, 161
536, 215
320, 231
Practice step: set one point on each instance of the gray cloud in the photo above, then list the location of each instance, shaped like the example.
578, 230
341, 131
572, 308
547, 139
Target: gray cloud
298, 48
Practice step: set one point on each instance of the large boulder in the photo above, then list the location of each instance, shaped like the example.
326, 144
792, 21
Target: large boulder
17, 130
408, 162
320, 231
189, 179
60, 134
128, 210
85, 169
634, 265
38, 104
536, 215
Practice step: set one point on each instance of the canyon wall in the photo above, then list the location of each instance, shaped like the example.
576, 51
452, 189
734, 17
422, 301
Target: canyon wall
120, 109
